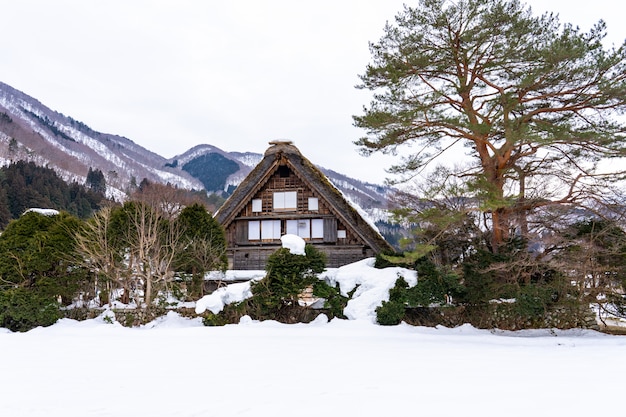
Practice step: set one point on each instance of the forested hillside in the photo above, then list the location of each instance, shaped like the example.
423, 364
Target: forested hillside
24, 185
212, 169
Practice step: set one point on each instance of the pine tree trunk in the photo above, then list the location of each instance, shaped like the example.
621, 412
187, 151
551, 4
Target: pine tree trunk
500, 233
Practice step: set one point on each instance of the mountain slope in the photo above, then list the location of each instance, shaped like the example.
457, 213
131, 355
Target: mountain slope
31, 131
371, 197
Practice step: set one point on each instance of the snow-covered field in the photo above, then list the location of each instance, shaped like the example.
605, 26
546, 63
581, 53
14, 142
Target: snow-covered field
178, 367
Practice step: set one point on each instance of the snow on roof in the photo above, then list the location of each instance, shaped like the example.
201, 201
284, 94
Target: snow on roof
45, 212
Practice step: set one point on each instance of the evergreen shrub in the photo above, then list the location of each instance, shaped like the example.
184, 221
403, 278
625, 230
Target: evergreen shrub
276, 296
335, 302
390, 313
434, 286
287, 277
23, 309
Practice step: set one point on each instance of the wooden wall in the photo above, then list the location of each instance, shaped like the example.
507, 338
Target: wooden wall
252, 254
255, 257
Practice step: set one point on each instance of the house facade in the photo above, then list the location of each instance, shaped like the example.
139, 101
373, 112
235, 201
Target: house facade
286, 194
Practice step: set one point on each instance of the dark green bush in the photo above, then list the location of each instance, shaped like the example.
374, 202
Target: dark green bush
533, 300
211, 319
287, 277
434, 286
383, 260
23, 309
335, 302
390, 313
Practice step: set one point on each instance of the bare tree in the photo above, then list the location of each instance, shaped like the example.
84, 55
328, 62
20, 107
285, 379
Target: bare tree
96, 250
166, 198
153, 241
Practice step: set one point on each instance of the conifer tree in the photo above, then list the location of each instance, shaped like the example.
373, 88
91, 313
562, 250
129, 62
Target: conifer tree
202, 245
532, 101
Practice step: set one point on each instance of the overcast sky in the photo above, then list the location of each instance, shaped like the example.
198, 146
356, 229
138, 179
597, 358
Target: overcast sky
172, 74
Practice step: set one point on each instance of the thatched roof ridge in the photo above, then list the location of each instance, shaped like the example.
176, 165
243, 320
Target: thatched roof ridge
285, 146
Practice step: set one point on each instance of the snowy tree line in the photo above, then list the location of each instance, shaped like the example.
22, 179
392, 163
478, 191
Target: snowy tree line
156, 243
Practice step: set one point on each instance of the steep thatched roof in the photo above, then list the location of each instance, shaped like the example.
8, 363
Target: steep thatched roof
285, 153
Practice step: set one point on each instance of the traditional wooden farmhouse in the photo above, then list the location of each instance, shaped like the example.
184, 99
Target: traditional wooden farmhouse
286, 194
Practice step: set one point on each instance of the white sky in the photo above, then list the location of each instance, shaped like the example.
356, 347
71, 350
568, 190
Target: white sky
170, 75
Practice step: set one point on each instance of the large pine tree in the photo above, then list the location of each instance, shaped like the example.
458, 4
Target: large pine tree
533, 102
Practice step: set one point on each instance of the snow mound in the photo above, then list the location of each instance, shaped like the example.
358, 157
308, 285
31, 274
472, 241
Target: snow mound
216, 301
370, 285
45, 212
294, 243
173, 320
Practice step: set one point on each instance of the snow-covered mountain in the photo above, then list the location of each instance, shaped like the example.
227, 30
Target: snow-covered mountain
222, 171
31, 131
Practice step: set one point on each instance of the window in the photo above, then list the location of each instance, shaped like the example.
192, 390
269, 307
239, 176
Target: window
286, 200
291, 227
313, 204
270, 229
254, 230
263, 229
341, 234
257, 205
317, 229
283, 171
300, 228
306, 228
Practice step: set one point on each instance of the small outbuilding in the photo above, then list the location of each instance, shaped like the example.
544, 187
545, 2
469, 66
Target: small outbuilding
286, 194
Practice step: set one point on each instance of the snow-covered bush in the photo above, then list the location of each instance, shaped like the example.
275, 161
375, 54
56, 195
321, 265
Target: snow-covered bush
288, 275
435, 286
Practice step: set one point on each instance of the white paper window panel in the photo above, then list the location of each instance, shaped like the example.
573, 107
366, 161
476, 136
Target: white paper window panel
317, 228
304, 229
257, 205
341, 234
292, 227
286, 200
291, 199
270, 229
313, 204
254, 230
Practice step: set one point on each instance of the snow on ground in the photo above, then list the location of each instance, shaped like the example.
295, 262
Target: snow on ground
235, 275
177, 367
